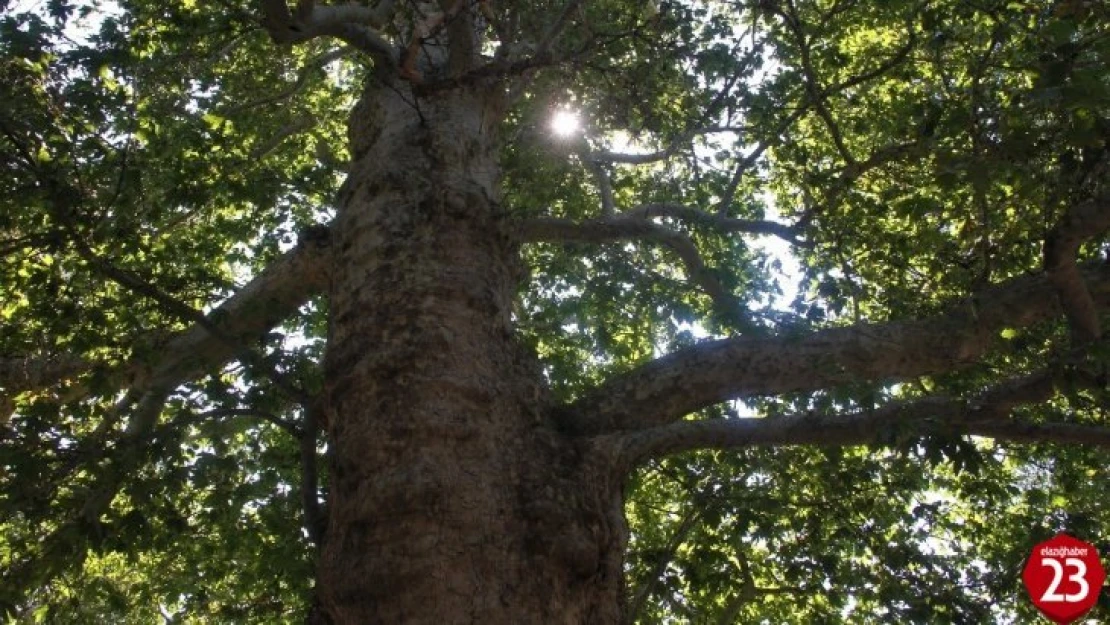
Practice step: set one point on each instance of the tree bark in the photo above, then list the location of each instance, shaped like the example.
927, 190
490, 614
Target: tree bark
452, 496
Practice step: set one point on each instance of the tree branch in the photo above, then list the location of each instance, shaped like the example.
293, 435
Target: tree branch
223, 334
1059, 433
21, 374
683, 140
508, 63
352, 24
626, 224
1080, 223
639, 228
227, 330
543, 48
813, 85
289, 130
675, 385
811, 98
604, 187
236, 345
272, 296
208, 344
853, 171
265, 301
718, 222
269, 417
28, 373
749, 161
67, 543
665, 557
314, 520
636, 224
989, 414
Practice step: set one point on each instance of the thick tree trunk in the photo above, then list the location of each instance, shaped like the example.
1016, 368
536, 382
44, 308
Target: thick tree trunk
452, 498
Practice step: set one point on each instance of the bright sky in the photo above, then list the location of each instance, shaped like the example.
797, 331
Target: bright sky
79, 28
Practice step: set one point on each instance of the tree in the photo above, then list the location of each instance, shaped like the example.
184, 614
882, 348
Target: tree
449, 367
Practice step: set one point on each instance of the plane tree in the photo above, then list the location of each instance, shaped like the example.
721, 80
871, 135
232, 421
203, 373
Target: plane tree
309, 312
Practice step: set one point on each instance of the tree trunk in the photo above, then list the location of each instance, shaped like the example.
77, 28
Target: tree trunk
452, 497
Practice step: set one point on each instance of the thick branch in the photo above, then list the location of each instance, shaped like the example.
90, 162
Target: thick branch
1080, 223
1060, 433
349, 23
673, 386
604, 187
275, 294
314, 520
227, 330
989, 414
22, 374
19, 374
272, 296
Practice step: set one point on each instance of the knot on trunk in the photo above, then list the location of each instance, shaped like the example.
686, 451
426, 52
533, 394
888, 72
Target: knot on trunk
574, 510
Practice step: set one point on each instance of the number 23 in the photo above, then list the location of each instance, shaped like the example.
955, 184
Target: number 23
1079, 577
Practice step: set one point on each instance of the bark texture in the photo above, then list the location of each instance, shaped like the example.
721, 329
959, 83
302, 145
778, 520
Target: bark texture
453, 498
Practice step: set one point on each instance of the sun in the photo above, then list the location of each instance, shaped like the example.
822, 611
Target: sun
565, 123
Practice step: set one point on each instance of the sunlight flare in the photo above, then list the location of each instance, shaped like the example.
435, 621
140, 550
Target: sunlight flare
565, 123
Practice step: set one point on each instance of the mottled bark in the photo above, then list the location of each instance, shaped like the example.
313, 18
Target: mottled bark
452, 497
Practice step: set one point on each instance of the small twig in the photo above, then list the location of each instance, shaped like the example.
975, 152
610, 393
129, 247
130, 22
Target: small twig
302, 80
749, 161
852, 172
269, 417
813, 85
279, 137
682, 141
666, 556
611, 229
543, 48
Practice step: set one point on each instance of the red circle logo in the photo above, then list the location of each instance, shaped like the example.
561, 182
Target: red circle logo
1064, 577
